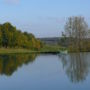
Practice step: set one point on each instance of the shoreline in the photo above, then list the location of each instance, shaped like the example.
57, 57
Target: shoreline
24, 51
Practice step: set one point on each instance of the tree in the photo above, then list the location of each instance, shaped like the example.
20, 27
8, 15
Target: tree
11, 37
76, 30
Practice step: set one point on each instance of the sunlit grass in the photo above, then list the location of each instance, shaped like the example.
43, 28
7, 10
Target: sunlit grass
51, 48
45, 49
13, 50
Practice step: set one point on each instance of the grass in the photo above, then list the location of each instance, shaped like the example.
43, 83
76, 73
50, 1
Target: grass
13, 50
45, 49
49, 48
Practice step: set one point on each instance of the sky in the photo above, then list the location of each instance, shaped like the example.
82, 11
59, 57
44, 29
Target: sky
43, 18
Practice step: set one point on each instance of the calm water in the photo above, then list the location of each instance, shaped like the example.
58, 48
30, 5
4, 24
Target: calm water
45, 72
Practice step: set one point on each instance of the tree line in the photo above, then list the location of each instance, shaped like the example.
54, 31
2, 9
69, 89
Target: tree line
11, 37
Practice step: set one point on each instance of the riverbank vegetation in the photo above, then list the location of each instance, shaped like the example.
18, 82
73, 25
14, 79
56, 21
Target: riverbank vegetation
11, 37
76, 36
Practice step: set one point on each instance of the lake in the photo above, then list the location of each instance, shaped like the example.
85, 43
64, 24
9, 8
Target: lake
45, 72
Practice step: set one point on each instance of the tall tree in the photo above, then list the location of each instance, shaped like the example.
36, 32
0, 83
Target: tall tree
76, 30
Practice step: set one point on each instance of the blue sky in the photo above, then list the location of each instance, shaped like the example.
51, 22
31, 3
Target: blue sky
43, 18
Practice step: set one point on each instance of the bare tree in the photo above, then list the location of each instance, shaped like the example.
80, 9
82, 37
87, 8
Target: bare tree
76, 30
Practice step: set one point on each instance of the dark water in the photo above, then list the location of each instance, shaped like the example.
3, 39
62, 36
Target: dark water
45, 72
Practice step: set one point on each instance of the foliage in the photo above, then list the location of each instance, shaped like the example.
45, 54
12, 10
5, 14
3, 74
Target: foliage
10, 37
76, 30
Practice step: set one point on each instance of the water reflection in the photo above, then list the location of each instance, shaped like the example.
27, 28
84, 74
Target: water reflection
10, 63
76, 66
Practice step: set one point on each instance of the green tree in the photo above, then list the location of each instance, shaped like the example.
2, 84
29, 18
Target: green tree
11, 37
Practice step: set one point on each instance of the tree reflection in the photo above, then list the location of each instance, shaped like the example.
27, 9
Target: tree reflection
76, 66
10, 63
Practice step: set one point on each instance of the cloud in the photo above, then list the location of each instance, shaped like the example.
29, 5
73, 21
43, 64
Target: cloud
12, 1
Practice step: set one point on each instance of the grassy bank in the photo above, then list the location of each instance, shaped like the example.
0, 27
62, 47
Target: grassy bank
13, 50
49, 48
45, 49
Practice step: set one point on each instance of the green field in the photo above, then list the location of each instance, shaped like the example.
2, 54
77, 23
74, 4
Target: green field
45, 49
13, 50
49, 48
